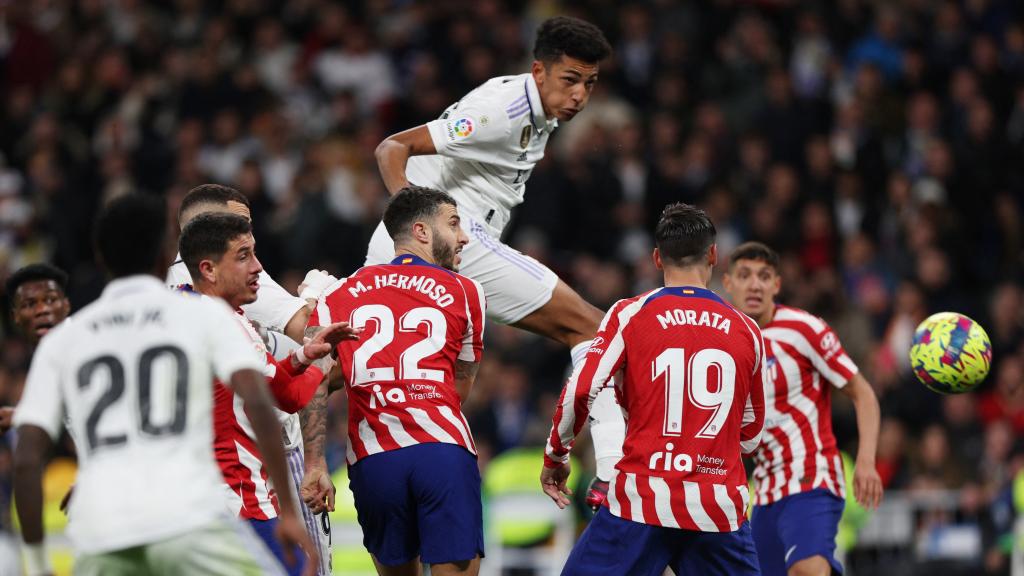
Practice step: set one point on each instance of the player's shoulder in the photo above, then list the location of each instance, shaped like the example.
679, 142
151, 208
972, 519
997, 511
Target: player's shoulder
503, 99
797, 319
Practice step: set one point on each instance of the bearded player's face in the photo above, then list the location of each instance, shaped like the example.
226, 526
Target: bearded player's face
564, 86
448, 238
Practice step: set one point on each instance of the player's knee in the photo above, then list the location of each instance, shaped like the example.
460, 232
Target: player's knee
813, 566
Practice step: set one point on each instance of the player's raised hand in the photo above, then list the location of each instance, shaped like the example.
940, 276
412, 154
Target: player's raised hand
291, 533
317, 491
552, 480
326, 338
867, 485
6, 418
315, 282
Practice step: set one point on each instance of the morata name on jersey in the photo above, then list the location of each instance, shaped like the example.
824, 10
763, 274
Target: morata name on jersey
422, 284
677, 317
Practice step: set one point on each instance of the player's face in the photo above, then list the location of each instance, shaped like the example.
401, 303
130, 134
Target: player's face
564, 86
39, 305
448, 238
238, 272
752, 285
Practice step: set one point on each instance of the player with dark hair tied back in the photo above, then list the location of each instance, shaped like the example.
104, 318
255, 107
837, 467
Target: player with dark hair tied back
411, 456
482, 151
220, 253
133, 375
694, 393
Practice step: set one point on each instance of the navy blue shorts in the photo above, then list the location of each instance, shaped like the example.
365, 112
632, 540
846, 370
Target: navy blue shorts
421, 500
612, 546
265, 530
795, 528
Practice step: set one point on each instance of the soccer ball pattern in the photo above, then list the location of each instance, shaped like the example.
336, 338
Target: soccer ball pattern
951, 353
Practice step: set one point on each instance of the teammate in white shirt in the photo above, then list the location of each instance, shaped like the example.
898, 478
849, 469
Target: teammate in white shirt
283, 317
481, 151
134, 374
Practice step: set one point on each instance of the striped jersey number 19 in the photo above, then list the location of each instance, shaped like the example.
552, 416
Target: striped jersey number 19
690, 378
409, 360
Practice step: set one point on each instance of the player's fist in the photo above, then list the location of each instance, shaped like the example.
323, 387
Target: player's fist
6, 418
317, 491
291, 533
315, 282
552, 481
597, 493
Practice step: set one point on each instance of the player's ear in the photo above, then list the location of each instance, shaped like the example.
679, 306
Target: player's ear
421, 232
657, 259
538, 70
208, 270
713, 255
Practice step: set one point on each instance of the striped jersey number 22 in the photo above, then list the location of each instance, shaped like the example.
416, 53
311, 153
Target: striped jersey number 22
408, 367
690, 378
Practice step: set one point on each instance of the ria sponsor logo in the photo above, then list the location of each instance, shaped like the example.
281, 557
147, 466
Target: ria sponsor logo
670, 461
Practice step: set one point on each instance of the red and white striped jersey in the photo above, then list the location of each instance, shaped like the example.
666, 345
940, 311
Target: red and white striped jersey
693, 395
419, 319
249, 492
799, 453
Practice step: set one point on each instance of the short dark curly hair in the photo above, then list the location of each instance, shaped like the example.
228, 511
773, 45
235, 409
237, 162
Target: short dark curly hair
34, 273
572, 37
410, 204
684, 234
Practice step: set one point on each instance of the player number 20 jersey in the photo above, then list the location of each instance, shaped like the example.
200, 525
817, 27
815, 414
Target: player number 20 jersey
418, 319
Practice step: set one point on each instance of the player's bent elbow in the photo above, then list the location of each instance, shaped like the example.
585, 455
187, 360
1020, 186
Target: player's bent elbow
749, 446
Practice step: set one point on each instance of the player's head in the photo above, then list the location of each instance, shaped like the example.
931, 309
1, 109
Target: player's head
38, 299
220, 253
567, 55
685, 239
212, 198
425, 222
131, 236
752, 279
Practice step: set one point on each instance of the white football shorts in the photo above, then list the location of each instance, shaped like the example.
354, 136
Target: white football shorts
515, 284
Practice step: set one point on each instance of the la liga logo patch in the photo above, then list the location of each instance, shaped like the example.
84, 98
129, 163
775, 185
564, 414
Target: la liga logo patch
460, 128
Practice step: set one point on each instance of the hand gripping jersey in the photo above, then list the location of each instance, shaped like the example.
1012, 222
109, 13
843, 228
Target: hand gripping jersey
487, 145
419, 319
693, 395
134, 373
803, 358
249, 492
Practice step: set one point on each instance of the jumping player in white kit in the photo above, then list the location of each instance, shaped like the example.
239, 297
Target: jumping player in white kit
134, 374
481, 151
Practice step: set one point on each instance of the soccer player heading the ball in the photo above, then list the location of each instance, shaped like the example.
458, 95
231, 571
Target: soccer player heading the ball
481, 151
694, 393
799, 473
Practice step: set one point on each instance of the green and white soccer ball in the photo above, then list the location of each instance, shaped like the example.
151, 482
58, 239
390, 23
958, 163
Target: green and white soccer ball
951, 353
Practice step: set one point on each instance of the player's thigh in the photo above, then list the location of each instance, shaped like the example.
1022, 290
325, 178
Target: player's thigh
385, 508
120, 563
467, 568
446, 489
717, 554
514, 284
565, 317
764, 526
222, 548
808, 525
612, 546
317, 526
382, 248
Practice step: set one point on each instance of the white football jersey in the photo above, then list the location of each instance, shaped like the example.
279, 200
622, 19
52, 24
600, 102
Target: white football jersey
487, 145
134, 373
273, 308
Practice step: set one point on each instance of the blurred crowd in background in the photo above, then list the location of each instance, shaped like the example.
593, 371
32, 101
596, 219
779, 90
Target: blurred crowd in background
879, 146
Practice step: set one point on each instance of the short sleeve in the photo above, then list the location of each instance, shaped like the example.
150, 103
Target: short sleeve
474, 131
832, 361
274, 306
473, 340
42, 403
230, 347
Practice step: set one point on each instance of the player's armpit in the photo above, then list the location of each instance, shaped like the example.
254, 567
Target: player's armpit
465, 376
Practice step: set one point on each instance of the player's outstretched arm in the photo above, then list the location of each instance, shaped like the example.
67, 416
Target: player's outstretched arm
394, 153
29, 458
867, 484
251, 386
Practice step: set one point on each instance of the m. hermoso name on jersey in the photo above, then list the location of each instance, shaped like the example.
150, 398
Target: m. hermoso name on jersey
422, 284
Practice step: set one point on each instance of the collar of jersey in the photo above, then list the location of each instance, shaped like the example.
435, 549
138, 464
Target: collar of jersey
537, 118
139, 282
686, 292
413, 260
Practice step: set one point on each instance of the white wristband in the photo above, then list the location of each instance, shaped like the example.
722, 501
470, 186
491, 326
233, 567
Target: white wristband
300, 355
37, 561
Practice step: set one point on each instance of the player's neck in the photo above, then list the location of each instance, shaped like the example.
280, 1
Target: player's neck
766, 317
417, 250
690, 276
207, 289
